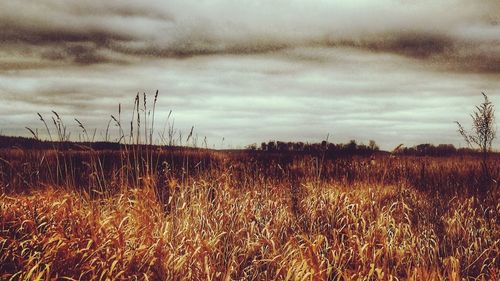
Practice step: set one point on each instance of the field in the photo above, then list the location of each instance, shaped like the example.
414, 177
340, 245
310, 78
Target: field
163, 213
221, 140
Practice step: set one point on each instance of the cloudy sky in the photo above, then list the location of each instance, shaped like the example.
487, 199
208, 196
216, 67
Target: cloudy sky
396, 71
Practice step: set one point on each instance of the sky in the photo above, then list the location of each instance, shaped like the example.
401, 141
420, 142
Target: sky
242, 72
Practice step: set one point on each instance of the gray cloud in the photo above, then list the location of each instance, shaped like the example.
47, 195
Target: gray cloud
455, 34
351, 94
392, 70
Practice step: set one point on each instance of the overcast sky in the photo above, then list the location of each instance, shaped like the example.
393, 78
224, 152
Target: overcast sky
396, 71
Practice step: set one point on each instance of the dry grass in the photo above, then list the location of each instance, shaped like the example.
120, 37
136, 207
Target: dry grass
212, 227
140, 212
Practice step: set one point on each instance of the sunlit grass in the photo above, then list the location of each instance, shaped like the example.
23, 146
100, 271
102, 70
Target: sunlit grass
338, 232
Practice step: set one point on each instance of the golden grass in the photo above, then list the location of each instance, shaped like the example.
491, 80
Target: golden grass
133, 211
214, 231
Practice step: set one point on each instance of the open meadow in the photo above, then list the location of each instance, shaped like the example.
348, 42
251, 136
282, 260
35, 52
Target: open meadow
220, 140
162, 213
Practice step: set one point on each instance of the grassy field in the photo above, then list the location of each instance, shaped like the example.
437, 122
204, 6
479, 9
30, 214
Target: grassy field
151, 213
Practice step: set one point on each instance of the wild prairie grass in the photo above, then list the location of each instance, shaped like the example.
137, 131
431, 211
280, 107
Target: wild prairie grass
237, 216
133, 211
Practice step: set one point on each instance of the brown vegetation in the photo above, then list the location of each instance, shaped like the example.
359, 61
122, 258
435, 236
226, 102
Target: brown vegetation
207, 215
140, 212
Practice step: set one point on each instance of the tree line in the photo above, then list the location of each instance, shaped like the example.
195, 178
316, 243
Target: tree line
353, 148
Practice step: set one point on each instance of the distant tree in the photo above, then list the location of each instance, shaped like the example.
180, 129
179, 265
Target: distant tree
445, 149
300, 146
424, 149
271, 146
373, 145
332, 148
483, 131
281, 146
252, 146
263, 146
362, 149
351, 146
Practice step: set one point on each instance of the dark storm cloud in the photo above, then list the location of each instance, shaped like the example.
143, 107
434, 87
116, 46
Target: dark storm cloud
439, 50
458, 35
411, 44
